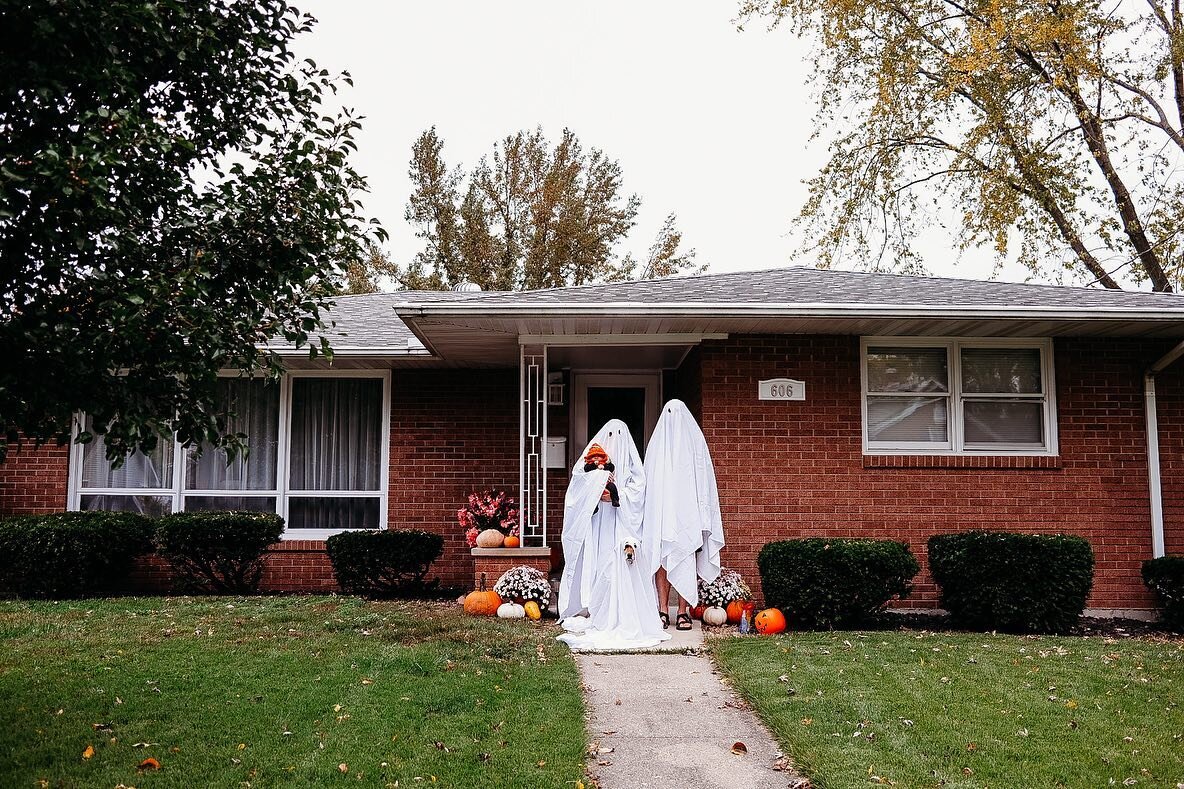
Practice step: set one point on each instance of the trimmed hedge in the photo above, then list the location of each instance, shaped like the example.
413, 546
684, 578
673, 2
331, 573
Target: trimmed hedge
1012, 582
1165, 577
70, 554
384, 563
217, 552
824, 584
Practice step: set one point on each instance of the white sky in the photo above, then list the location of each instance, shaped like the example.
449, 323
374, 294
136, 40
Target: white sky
706, 121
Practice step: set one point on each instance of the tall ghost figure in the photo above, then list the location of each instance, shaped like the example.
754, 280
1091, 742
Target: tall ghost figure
682, 526
598, 575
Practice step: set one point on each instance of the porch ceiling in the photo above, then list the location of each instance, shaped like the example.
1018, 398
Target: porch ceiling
492, 338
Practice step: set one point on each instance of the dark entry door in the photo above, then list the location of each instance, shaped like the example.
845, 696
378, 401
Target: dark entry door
626, 403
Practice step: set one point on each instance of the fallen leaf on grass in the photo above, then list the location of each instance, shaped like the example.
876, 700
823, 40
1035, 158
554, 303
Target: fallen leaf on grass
148, 764
101, 726
739, 748
144, 744
89, 752
541, 763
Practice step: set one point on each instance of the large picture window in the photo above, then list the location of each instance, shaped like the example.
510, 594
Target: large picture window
958, 396
317, 456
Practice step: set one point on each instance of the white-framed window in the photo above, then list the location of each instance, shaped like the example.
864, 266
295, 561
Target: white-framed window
944, 396
318, 440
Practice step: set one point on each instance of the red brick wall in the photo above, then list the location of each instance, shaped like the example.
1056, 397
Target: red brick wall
797, 469
33, 480
452, 432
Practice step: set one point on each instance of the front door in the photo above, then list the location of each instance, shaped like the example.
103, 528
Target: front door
634, 398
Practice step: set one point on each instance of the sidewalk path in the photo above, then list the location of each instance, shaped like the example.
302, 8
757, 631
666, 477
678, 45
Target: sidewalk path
671, 722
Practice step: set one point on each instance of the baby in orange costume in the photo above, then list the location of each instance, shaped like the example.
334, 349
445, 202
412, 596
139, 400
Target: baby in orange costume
597, 458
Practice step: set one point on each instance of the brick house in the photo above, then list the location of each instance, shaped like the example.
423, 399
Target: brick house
836, 404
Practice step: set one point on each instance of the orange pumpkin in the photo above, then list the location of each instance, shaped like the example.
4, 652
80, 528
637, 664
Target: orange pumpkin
511, 542
735, 611
769, 621
482, 602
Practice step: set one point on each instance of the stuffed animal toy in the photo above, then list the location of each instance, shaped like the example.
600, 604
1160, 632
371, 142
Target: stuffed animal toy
597, 458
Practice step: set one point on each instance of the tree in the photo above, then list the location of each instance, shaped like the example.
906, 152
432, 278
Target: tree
532, 215
1059, 122
364, 274
173, 196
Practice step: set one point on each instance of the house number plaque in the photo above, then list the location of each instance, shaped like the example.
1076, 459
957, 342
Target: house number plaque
782, 389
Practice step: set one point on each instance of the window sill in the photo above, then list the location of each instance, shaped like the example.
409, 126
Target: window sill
1018, 462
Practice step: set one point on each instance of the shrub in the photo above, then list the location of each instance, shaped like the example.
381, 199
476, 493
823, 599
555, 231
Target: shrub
384, 563
1012, 582
1165, 577
70, 554
217, 552
821, 583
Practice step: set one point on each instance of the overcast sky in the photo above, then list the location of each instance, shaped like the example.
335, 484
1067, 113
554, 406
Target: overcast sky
708, 122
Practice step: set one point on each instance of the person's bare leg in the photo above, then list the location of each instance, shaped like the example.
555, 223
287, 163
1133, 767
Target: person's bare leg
663, 584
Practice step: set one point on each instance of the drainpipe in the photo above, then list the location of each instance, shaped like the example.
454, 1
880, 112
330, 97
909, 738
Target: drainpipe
1153, 479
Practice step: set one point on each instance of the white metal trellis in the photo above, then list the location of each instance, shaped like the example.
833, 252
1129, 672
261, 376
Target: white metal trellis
532, 445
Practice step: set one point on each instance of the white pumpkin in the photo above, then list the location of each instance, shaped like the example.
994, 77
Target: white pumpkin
511, 611
715, 616
490, 538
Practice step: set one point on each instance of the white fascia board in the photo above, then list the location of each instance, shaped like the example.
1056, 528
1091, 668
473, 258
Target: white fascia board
789, 310
573, 340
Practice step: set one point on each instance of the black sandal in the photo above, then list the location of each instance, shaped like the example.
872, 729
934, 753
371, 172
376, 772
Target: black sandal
665, 617
683, 619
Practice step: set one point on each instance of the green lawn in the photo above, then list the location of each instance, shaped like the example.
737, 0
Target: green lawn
283, 691
967, 710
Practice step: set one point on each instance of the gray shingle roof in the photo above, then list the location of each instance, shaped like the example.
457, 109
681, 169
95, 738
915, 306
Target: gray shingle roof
369, 321
798, 285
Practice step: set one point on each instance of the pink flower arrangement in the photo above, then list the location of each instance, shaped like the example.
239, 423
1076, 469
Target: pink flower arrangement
488, 510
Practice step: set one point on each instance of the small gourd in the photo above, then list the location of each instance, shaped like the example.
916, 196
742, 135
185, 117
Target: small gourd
490, 538
533, 612
511, 541
510, 611
714, 616
482, 602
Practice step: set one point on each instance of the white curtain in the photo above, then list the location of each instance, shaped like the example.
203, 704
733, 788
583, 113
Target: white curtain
255, 406
153, 470
336, 433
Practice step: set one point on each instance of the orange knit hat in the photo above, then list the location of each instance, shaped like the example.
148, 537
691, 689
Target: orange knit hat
596, 454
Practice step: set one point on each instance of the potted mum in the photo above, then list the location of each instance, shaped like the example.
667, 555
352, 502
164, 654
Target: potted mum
523, 584
724, 597
489, 519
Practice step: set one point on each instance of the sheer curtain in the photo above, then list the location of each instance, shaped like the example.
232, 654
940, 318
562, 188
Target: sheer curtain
255, 406
139, 470
336, 434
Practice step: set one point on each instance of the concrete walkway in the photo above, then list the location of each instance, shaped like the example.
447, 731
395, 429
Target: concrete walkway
667, 720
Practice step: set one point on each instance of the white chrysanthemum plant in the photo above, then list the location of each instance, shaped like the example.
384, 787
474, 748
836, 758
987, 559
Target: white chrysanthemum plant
524, 583
727, 587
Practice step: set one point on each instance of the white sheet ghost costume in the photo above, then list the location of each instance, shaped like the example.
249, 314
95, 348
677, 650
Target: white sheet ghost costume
682, 503
618, 595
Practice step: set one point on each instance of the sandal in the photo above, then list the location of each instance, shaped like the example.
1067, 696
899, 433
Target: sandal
683, 619
665, 617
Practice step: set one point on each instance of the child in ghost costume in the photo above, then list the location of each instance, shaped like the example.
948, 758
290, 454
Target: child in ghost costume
606, 595
682, 525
